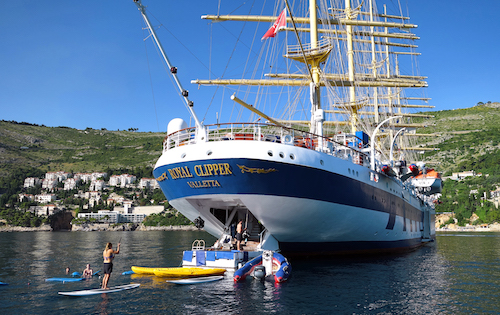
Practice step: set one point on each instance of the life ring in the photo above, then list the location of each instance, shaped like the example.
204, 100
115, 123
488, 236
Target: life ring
309, 143
360, 145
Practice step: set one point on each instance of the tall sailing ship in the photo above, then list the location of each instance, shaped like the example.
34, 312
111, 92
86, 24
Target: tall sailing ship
327, 171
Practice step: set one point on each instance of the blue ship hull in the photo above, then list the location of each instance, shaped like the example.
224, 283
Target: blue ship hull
307, 209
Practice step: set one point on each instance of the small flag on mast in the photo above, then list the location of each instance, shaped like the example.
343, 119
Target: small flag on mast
280, 23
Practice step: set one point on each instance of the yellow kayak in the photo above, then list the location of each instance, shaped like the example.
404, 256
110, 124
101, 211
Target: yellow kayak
188, 272
143, 270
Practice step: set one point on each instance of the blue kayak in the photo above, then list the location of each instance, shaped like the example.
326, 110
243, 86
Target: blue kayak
3, 283
64, 279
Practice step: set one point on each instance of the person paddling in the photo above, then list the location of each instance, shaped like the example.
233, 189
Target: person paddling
108, 254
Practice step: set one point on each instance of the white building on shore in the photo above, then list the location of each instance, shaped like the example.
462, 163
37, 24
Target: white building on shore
114, 180
84, 177
97, 175
71, 183
107, 216
58, 176
31, 182
49, 183
44, 210
126, 179
97, 184
149, 183
26, 197
45, 198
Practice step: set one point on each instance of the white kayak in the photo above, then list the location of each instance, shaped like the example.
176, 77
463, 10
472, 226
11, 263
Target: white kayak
100, 291
196, 280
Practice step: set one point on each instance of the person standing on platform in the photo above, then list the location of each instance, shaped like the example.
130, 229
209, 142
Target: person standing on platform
239, 231
108, 254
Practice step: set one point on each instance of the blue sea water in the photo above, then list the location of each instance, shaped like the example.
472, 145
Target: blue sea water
457, 274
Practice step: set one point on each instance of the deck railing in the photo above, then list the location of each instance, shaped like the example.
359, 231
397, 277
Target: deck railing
345, 146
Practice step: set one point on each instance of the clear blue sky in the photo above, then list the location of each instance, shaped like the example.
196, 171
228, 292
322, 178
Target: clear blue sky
84, 63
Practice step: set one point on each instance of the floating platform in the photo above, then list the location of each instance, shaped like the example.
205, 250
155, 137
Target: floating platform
202, 257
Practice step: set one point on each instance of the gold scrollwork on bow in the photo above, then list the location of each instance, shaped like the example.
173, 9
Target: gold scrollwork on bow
245, 169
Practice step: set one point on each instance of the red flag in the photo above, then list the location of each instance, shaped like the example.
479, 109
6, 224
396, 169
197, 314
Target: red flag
278, 24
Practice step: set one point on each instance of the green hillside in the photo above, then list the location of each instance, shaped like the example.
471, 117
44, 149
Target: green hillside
468, 139
24, 145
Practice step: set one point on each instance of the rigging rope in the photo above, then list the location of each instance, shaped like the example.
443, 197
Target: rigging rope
151, 83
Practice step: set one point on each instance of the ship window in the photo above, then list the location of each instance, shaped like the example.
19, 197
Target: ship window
270, 153
292, 157
209, 152
349, 170
282, 155
183, 155
321, 162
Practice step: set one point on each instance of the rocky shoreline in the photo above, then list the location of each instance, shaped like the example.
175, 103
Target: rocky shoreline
87, 227
100, 227
495, 227
9, 228
442, 224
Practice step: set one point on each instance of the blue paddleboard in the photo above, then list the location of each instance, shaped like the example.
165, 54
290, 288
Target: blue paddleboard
100, 291
64, 279
129, 272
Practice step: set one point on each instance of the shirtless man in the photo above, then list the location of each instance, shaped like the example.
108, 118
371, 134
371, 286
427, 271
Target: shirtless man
87, 272
108, 254
239, 231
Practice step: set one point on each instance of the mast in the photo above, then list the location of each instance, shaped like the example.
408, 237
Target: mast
173, 70
364, 37
317, 115
374, 65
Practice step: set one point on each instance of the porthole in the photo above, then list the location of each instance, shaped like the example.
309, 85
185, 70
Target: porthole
357, 173
292, 157
349, 170
321, 162
183, 155
282, 155
270, 153
209, 152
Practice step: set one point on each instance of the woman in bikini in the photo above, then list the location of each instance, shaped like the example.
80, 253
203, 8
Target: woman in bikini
87, 272
108, 254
